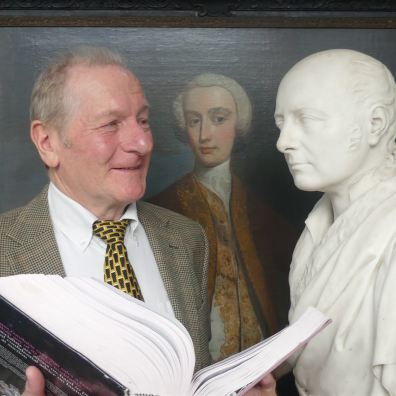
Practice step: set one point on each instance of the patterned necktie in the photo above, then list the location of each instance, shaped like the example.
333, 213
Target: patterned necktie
118, 272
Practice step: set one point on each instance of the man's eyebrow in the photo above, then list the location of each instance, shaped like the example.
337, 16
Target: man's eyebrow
312, 111
144, 108
117, 113
222, 109
108, 113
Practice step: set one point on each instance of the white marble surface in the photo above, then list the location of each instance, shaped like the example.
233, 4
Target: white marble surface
336, 114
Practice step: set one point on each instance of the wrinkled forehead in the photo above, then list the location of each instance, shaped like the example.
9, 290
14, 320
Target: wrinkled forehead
84, 74
94, 90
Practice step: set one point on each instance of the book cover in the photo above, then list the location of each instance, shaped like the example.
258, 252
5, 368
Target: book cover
23, 342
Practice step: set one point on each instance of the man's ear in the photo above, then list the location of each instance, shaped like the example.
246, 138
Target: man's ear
379, 124
46, 140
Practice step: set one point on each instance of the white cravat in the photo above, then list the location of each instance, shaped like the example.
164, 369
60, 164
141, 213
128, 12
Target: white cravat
83, 254
217, 179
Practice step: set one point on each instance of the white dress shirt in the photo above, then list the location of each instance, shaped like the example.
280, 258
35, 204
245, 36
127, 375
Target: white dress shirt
83, 254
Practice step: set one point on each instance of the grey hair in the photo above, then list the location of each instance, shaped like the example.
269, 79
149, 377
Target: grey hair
241, 99
49, 102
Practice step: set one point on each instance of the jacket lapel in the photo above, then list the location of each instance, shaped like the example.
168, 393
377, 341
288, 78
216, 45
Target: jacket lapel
165, 249
33, 240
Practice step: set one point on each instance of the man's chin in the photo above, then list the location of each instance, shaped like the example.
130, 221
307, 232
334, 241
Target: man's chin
305, 184
130, 196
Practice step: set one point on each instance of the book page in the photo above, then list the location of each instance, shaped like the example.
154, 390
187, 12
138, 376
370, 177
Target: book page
242, 371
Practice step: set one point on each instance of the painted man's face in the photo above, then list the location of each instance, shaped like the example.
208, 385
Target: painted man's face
211, 116
321, 132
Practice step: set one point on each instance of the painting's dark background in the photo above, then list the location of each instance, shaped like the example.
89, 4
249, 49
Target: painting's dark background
164, 59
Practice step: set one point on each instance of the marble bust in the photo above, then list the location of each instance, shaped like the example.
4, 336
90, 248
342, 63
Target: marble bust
335, 111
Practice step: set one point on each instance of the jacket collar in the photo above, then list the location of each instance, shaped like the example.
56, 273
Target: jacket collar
35, 249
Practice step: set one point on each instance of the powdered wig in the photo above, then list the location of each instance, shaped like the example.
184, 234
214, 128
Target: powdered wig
49, 101
242, 101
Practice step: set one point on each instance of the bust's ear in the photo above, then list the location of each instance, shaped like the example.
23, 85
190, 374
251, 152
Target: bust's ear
44, 138
379, 124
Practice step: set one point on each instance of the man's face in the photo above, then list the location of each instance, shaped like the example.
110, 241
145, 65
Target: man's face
211, 116
322, 132
104, 151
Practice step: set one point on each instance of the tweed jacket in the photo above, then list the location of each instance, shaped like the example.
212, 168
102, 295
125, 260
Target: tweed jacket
28, 245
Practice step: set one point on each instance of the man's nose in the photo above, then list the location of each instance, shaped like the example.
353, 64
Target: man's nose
137, 138
206, 131
287, 138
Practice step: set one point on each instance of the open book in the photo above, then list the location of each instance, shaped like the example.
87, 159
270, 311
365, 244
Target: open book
90, 339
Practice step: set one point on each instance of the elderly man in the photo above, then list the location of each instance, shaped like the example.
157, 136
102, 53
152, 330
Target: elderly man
90, 126
336, 115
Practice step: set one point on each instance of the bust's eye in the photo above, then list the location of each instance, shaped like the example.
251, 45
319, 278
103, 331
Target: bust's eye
308, 120
279, 122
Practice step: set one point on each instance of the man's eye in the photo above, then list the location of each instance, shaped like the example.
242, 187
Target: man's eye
279, 122
219, 119
144, 123
309, 120
111, 125
192, 122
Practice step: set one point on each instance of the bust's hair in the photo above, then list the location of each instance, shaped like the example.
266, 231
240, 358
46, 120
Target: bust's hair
373, 85
369, 81
49, 102
241, 99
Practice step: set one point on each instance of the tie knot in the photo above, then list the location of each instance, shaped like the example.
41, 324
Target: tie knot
111, 232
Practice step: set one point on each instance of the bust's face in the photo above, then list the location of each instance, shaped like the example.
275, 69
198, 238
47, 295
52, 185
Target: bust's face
211, 116
322, 133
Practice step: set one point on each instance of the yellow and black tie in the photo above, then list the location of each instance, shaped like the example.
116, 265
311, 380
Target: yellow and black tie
118, 272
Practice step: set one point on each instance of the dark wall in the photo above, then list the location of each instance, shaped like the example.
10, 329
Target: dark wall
164, 59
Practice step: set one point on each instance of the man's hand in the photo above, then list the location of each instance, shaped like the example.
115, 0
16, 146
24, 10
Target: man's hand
35, 384
266, 387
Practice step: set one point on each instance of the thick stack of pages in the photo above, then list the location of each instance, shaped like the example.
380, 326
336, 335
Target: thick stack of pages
90, 339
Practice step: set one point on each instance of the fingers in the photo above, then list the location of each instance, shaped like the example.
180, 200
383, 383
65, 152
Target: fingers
268, 383
266, 387
35, 384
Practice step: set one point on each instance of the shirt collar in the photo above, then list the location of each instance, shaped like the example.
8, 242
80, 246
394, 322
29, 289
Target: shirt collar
320, 219
217, 179
74, 221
